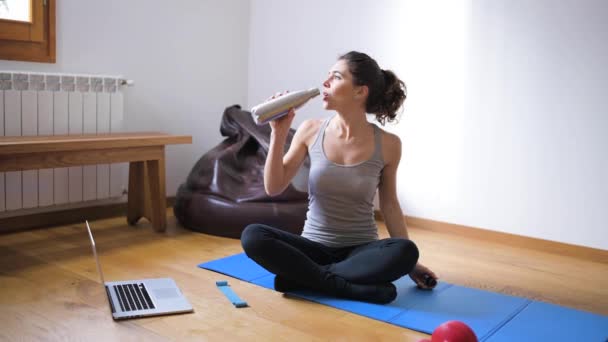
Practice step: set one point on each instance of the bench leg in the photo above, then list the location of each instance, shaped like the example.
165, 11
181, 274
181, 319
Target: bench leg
158, 197
147, 194
135, 199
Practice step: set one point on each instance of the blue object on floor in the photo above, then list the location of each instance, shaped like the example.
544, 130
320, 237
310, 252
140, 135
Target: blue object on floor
492, 316
230, 294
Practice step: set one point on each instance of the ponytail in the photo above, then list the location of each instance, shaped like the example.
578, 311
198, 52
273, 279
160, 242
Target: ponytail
386, 91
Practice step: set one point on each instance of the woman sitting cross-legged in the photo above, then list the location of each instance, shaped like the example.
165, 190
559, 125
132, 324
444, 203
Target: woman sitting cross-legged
339, 252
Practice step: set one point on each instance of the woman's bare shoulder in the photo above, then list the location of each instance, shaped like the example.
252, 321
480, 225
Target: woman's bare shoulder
311, 124
308, 129
391, 146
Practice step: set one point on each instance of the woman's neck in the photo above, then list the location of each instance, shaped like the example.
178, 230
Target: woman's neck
350, 126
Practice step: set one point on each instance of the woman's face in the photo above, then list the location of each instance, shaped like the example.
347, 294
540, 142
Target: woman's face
339, 91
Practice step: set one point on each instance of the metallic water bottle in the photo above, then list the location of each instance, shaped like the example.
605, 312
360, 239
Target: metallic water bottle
275, 108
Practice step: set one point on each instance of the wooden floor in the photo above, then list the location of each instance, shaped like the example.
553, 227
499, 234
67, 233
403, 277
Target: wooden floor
50, 290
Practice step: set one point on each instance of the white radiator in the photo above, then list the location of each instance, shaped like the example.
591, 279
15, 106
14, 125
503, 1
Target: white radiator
57, 104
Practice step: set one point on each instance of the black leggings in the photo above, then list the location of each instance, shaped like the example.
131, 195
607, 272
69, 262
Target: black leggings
314, 265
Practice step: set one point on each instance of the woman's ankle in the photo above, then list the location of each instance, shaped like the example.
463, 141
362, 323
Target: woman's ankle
373, 293
283, 284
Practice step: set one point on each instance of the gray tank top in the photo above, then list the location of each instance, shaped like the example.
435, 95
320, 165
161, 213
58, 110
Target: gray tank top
341, 197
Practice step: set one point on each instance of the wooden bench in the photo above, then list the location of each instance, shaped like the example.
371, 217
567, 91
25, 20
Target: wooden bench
145, 153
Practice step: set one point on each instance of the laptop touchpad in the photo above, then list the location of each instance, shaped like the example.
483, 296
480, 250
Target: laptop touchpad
165, 293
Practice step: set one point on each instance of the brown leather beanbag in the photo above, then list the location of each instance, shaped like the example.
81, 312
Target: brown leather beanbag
224, 192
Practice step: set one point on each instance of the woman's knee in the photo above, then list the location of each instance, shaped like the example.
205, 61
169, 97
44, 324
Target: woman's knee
410, 249
251, 236
258, 237
408, 254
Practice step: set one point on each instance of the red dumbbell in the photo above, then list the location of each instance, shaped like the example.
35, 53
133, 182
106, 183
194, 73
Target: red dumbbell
452, 331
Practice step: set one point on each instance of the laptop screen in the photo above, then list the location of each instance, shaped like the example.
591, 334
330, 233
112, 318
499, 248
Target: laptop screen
95, 253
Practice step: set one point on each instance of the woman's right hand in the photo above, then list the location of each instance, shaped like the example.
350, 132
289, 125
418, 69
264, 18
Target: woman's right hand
282, 125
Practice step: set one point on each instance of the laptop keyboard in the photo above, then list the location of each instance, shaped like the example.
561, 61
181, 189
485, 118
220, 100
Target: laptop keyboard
133, 297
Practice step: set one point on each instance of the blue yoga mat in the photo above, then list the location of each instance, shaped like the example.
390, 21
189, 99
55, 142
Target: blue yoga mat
492, 316
548, 322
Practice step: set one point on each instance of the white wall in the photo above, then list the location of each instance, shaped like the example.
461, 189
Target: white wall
504, 128
536, 130
188, 62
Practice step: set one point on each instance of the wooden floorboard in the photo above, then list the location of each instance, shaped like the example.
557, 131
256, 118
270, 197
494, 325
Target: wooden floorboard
50, 290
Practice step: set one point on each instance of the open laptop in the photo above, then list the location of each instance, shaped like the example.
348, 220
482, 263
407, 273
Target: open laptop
142, 297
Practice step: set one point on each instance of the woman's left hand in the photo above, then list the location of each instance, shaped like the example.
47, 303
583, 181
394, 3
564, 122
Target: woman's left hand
419, 274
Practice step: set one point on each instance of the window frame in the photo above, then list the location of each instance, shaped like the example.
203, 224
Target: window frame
30, 41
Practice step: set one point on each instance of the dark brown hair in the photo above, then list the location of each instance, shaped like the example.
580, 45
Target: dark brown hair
386, 91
